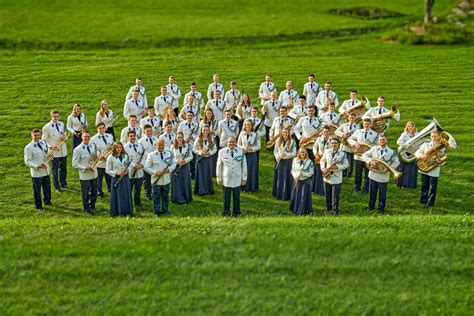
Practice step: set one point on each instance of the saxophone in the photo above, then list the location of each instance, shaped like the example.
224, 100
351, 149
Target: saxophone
272, 141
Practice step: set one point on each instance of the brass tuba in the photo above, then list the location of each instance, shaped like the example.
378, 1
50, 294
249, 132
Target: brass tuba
362, 149
383, 167
358, 109
406, 152
378, 121
436, 155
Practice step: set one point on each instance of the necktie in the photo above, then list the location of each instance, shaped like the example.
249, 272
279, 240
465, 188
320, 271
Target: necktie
135, 147
39, 145
381, 152
301, 162
289, 92
311, 85
248, 136
136, 102
103, 139
268, 85
169, 136
189, 125
365, 135
57, 127
331, 116
205, 142
88, 149
161, 155
334, 154
120, 158
79, 118
310, 121
324, 143
380, 111
327, 94
253, 122
180, 150
232, 153
228, 124
151, 121
216, 86
352, 102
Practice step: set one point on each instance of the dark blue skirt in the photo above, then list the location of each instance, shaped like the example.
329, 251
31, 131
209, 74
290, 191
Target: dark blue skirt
252, 172
203, 182
300, 201
409, 177
283, 180
318, 184
121, 197
181, 191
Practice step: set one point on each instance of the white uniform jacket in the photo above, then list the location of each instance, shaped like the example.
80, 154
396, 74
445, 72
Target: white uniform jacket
302, 169
252, 139
340, 159
81, 160
52, 134
231, 167
361, 136
136, 152
134, 107
226, 129
101, 143
34, 156
157, 162
386, 154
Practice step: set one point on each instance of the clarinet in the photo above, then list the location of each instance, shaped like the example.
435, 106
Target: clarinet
140, 159
176, 171
123, 172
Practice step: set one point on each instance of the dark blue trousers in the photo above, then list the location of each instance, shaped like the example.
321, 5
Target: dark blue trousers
136, 188
160, 198
38, 184
359, 167
332, 192
236, 200
348, 172
429, 186
59, 172
382, 188
101, 175
147, 185
76, 141
89, 194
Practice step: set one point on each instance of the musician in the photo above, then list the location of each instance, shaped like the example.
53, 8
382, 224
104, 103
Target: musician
190, 129
301, 171
233, 97
409, 177
36, 156
311, 90
215, 86
429, 180
103, 142
281, 122
330, 117
272, 108
132, 126
353, 101
362, 136
168, 136
307, 127
344, 132
256, 121
326, 96
244, 110
160, 163
171, 118
120, 193
81, 159
288, 97
198, 99
205, 148
106, 116
136, 153
299, 110
164, 102
148, 142
141, 89
333, 163
76, 124
227, 128
181, 191
231, 173
53, 133
249, 142
152, 120
213, 125
190, 107
174, 91
320, 145
218, 106
380, 109
134, 106
267, 87
379, 181
284, 152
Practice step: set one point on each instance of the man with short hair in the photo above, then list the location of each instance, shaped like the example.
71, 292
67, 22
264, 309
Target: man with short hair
152, 120
36, 157
326, 96
103, 142
231, 173
136, 153
378, 110
132, 126
174, 91
134, 106
266, 89
344, 132
311, 90
140, 88
198, 98
227, 128
215, 86
163, 101
81, 160
289, 97
272, 108
148, 142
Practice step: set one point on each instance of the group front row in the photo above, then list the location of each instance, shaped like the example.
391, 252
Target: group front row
126, 167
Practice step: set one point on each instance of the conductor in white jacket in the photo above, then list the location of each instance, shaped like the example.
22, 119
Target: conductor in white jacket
231, 173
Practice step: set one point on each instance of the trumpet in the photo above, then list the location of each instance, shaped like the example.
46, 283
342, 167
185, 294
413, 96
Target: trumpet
378, 121
383, 167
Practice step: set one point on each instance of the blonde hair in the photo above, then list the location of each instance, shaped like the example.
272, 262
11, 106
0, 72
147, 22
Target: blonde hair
77, 105
298, 155
209, 137
175, 145
102, 111
414, 130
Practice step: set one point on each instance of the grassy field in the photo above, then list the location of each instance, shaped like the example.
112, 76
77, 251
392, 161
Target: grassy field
61, 261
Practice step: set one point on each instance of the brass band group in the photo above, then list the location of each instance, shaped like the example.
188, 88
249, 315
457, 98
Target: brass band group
166, 147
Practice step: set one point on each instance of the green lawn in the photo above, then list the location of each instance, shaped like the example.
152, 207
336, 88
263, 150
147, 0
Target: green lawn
267, 262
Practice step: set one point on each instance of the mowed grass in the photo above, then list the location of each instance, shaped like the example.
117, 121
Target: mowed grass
403, 265
267, 262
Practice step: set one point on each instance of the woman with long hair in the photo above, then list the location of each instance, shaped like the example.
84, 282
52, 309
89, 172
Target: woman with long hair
249, 141
244, 109
284, 152
302, 171
210, 121
76, 124
181, 191
205, 148
106, 116
170, 117
409, 177
120, 193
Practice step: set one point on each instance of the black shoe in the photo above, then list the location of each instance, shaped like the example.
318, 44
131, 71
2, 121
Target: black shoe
148, 198
48, 203
369, 209
236, 215
428, 206
138, 204
57, 190
89, 212
40, 208
356, 190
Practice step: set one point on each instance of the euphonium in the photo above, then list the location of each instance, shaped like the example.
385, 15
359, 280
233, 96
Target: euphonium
382, 167
312, 138
358, 109
378, 121
436, 155
406, 152
362, 149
